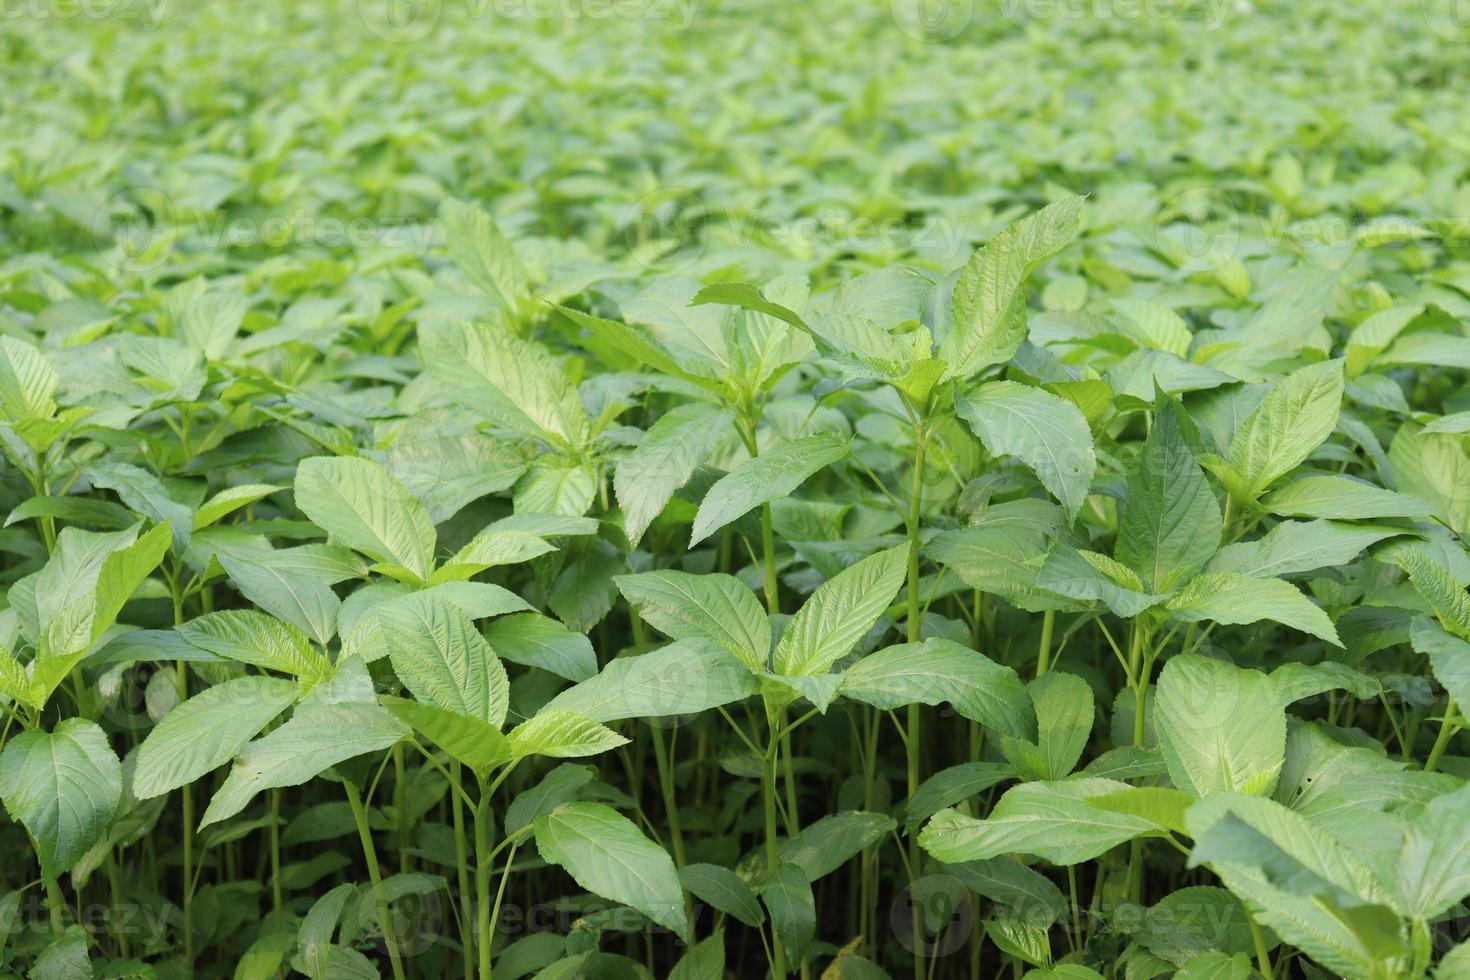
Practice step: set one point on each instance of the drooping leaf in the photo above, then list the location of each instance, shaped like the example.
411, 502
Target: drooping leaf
608, 855
935, 671
207, 731
1046, 432
672, 449
712, 607
772, 475
359, 503
1232, 598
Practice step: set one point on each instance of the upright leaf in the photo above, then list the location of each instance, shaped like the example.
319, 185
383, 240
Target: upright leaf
1221, 728
839, 613
772, 475
359, 503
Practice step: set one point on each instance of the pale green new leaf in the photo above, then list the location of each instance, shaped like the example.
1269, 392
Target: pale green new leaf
442, 659
562, 735
483, 253
27, 382
512, 380
989, 299
254, 638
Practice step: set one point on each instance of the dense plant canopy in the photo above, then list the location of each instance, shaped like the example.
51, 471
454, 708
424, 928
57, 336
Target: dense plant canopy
734, 489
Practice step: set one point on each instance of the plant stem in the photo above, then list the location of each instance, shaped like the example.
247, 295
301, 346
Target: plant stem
1043, 653
187, 801
375, 875
483, 922
914, 622
666, 787
462, 870
276, 903
1263, 955
1448, 725
773, 854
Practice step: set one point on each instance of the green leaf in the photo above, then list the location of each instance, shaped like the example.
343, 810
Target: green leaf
122, 572
711, 607
1435, 467
560, 785
1294, 419
207, 731
774, 474
27, 382
1046, 432
293, 591
85, 511
1221, 728
935, 671
64, 787
1341, 497
145, 494
989, 299
725, 890
491, 549
609, 856
704, 961
1434, 863
359, 503
1234, 599
318, 736
470, 741
839, 613
229, 500
442, 659
562, 735
950, 786
1051, 820
788, 895
513, 381
1160, 805
1430, 578
254, 638
1064, 714
682, 678
829, 843
482, 253
534, 640
1293, 547
670, 452
1171, 524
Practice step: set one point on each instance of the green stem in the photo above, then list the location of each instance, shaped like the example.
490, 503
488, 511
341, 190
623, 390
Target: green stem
1263, 955
914, 617
483, 923
375, 875
773, 854
462, 869
1448, 725
56, 905
181, 676
277, 906
1043, 653
666, 787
